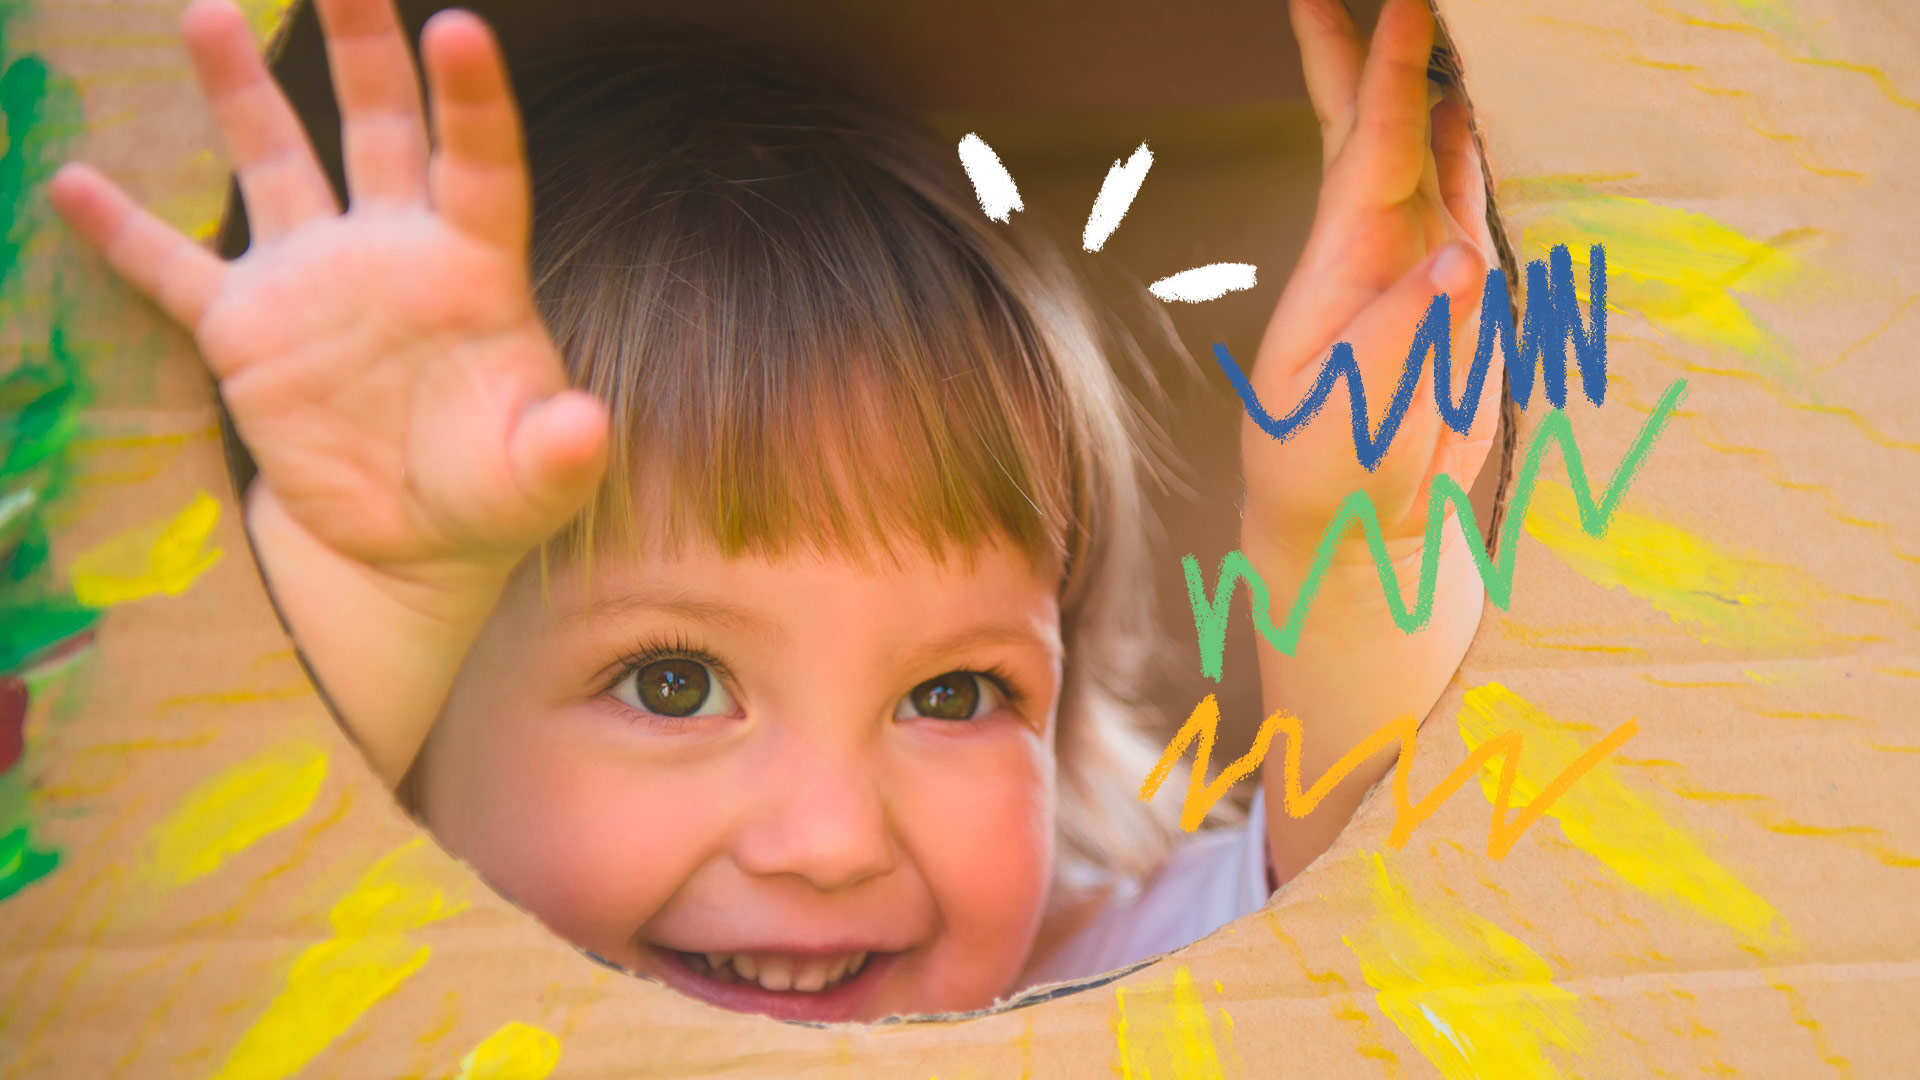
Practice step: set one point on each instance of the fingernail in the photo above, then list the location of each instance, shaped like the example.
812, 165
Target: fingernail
1453, 269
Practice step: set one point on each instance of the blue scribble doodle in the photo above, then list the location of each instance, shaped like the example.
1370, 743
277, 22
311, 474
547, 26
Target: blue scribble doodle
1552, 323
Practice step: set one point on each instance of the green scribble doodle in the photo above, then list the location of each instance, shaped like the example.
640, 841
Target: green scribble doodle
42, 393
1210, 611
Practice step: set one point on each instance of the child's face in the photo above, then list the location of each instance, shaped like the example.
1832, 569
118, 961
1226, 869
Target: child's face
862, 762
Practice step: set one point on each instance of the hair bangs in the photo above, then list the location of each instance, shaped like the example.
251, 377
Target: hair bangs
800, 351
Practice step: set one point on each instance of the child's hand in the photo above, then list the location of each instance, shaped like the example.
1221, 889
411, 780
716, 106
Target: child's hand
385, 367
1402, 217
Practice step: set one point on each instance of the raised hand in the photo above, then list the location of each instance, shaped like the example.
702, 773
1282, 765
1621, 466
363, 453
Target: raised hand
385, 366
1402, 217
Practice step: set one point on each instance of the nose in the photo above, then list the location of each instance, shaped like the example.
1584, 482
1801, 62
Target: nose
821, 816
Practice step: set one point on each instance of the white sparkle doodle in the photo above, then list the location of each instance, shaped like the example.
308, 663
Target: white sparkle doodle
1116, 196
999, 197
1209, 282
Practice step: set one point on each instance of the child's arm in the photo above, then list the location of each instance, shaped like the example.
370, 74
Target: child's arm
1401, 219
386, 367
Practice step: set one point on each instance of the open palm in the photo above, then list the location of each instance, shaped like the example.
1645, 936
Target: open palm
386, 366
1402, 217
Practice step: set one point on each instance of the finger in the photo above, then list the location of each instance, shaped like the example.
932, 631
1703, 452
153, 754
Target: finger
1331, 58
383, 129
280, 179
174, 272
1463, 188
1389, 138
558, 452
479, 171
1381, 332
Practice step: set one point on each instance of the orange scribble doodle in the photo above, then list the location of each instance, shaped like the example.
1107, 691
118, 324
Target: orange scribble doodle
1504, 830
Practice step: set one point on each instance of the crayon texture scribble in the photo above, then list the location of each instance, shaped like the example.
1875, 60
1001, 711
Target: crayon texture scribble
1553, 327
264, 15
1686, 273
1507, 826
1475, 1000
1718, 597
1163, 1031
1594, 517
235, 809
333, 983
1607, 818
163, 556
516, 1051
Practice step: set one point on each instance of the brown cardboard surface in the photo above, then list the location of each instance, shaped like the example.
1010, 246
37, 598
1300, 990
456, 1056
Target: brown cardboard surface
236, 895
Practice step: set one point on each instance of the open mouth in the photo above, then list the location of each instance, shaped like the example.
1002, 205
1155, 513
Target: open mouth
789, 986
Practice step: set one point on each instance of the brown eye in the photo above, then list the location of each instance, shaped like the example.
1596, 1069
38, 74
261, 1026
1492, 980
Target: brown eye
957, 695
674, 686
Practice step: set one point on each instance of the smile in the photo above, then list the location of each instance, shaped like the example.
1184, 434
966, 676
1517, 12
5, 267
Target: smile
778, 971
819, 986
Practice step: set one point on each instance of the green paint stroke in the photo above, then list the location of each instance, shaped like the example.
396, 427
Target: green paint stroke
41, 397
1210, 611
21, 863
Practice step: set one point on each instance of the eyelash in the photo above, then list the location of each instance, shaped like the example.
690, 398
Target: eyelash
675, 648
664, 649
1002, 681
679, 647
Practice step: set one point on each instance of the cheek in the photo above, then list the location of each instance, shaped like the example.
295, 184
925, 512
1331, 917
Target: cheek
573, 833
978, 816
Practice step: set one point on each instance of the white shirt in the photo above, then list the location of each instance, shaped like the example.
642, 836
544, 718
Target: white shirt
1207, 882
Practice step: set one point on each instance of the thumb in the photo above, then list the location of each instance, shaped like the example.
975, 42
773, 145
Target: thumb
558, 452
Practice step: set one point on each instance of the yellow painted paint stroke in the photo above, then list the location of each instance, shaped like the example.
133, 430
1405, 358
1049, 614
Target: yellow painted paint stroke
1678, 269
1607, 818
331, 984
516, 1051
1163, 1032
1472, 998
1881, 80
1720, 598
234, 810
162, 556
1776, 15
265, 16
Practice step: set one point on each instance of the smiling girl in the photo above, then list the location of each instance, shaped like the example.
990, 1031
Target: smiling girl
730, 542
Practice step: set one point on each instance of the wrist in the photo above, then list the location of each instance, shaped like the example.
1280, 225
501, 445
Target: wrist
384, 648
439, 597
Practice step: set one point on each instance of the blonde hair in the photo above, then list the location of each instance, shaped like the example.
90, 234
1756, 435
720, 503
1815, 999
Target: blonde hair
812, 338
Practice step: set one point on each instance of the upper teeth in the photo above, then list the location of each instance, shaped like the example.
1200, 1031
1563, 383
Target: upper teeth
774, 971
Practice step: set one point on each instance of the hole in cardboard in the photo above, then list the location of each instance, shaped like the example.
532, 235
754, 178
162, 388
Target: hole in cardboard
1232, 134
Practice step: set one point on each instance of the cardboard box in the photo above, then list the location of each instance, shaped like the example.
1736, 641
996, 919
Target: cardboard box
199, 876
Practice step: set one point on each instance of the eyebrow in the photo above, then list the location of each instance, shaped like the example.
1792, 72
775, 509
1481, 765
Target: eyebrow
693, 609
1008, 633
